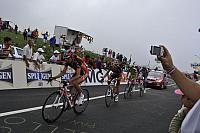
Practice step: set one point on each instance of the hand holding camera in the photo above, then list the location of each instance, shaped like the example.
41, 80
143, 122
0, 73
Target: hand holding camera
157, 50
163, 55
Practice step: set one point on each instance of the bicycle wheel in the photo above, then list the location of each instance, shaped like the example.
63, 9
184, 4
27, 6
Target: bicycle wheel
127, 91
53, 107
108, 96
80, 108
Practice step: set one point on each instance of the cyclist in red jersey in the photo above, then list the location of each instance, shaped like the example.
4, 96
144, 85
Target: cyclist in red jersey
81, 72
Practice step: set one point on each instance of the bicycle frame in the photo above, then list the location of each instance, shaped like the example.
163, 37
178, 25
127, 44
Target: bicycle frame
63, 99
109, 94
64, 91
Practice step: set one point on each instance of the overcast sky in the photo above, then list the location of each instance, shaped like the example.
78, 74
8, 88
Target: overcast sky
126, 26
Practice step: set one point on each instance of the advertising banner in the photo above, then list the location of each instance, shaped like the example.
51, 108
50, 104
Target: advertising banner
33, 75
6, 74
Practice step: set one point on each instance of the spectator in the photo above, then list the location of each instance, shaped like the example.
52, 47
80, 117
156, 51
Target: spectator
117, 56
99, 64
45, 37
105, 51
16, 29
6, 25
25, 34
191, 89
177, 120
29, 33
113, 54
28, 52
38, 58
6, 50
34, 35
110, 53
124, 59
94, 63
120, 57
91, 63
53, 42
55, 56
28, 29
1, 24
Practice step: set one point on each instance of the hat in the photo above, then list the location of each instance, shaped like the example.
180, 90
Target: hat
63, 50
178, 92
56, 52
40, 50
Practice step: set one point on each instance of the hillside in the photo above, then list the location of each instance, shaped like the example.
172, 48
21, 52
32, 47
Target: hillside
18, 40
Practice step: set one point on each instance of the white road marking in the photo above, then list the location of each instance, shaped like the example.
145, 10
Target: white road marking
171, 84
40, 107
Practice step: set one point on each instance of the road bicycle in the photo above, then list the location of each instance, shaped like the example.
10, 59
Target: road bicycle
132, 85
109, 94
65, 98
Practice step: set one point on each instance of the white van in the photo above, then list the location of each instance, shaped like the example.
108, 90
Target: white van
17, 52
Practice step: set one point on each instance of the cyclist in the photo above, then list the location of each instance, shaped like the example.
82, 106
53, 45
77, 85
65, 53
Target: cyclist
132, 73
116, 69
81, 72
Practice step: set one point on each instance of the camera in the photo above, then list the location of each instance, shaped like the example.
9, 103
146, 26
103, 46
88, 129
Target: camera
156, 50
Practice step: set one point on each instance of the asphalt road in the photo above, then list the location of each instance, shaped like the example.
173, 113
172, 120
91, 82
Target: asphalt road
148, 114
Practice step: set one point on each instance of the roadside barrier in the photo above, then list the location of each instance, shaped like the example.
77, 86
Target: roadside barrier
15, 75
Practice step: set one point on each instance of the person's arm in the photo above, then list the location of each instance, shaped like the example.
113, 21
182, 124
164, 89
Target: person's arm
11, 52
61, 73
35, 60
42, 59
106, 74
36, 64
190, 88
26, 61
177, 120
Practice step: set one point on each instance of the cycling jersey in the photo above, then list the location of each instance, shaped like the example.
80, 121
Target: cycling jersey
73, 64
77, 63
116, 69
133, 72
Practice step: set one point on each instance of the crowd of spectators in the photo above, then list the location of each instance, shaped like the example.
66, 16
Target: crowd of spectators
31, 34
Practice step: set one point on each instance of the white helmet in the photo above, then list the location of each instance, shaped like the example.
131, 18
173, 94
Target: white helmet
56, 52
40, 50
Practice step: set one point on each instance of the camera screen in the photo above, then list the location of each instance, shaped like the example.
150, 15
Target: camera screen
155, 50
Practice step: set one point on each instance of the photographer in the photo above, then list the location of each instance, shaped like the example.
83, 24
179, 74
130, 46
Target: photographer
191, 89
